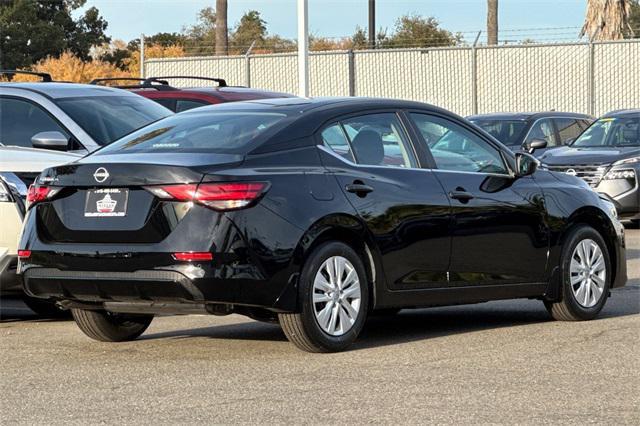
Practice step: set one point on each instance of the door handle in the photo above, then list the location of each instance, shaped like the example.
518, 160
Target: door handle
461, 195
359, 188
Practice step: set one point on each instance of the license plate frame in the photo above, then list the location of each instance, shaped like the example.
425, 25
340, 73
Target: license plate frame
106, 202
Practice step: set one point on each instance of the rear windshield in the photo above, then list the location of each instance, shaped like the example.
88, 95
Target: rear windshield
219, 132
611, 132
509, 132
107, 118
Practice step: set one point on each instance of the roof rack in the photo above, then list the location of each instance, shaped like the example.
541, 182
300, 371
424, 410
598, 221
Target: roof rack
144, 83
221, 82
46, 78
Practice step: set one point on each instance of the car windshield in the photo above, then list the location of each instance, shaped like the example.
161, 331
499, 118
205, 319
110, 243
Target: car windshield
509, 132
611, 132
107, 118
219, 132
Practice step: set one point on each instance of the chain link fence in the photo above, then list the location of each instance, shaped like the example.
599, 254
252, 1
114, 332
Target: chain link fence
580, 77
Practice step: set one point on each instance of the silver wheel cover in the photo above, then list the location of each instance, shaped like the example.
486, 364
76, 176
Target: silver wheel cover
336, 296
588, 273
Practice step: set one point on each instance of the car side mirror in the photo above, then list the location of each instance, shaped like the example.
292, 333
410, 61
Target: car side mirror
531, 146
526, 164
50, 140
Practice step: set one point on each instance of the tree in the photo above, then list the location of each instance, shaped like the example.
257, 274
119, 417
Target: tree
222, 41
607, 19
359, 39
250, 28
634, 20
492, 22
417, 31
200, 39
69, 67
35, 29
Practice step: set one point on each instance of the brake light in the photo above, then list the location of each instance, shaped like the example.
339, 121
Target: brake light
37, 193
218, 196
191, 256
24, 254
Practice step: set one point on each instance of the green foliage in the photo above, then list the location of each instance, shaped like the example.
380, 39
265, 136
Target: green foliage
634, 20
35, 29
418, 31
250, 28
200, 39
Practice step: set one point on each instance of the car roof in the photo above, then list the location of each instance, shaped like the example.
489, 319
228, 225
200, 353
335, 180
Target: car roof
66, 90
622, 113
307, 104
524, 116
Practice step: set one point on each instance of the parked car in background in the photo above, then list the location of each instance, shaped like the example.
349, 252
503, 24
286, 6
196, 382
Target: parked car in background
528, 131
182, 99
312, 213
69, 117
18, 169
607, 157
43, 124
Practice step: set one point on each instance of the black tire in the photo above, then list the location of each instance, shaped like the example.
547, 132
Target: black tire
568, 308
302, 329
109, 327
45, 308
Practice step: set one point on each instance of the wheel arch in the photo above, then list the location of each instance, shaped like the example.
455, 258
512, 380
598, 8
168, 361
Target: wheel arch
351, 231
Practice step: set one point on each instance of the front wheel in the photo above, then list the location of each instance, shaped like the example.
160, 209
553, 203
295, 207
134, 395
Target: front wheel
110, 327
334, 297
586, 276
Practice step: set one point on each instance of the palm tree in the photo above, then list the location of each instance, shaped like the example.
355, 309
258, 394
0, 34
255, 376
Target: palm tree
222, 39
607, 19
492, 22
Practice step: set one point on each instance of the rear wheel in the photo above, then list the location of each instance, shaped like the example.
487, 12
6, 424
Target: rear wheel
586, 276
334, 297
109, 327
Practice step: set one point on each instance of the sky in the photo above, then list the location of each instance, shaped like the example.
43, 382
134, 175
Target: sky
337, 18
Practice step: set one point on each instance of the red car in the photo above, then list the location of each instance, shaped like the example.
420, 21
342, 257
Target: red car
179, 99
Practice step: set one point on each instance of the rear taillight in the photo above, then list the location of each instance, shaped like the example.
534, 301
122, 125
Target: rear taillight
193, 256
218, 196
24, 254
38, 193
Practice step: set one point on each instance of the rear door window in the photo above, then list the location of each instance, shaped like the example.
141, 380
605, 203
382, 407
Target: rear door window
568, 129
187, 104
379, 140
334, 138
20, 120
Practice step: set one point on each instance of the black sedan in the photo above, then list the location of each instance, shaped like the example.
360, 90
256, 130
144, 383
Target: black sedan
529, 131
313, 214
607, 157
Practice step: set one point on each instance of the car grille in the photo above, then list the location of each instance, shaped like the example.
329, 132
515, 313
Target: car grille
590, 173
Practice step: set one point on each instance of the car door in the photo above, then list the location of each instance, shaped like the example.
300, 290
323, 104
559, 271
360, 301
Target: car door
403, 206
542, 129
498, 229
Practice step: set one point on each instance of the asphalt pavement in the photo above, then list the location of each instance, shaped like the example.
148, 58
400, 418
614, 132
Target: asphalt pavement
497, 362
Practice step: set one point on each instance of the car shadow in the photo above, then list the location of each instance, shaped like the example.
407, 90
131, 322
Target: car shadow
12, 309
408, 325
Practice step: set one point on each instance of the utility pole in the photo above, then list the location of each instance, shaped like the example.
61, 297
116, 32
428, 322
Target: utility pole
222, 37
372, 24
303, 48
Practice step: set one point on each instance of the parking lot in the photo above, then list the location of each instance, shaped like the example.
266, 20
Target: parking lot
498, 362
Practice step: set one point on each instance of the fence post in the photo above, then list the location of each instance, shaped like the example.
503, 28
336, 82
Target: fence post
352, 72
141, 55
591, 81
474, 75
247, 58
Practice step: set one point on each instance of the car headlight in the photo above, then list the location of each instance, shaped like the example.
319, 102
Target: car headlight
627, 161
620, 174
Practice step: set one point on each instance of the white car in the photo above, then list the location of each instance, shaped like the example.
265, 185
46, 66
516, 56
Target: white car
18, 168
